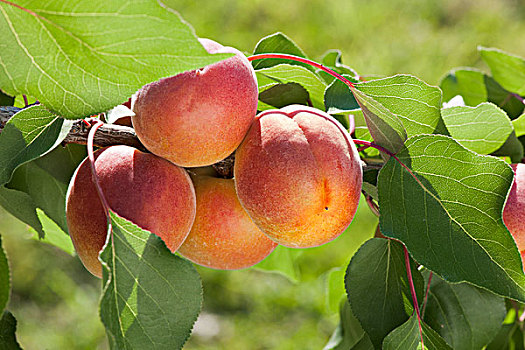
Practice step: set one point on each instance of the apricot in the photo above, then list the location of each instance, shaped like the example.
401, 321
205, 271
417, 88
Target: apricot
198, 117
298, 175
223, 236
514, 210
141, 187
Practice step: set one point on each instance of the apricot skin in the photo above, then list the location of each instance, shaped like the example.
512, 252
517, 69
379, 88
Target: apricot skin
150, 191
514, 211
223, 236
298, 176
199, 117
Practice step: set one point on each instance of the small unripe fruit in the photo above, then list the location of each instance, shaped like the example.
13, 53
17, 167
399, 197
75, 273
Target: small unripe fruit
199, 117
223, 236
141, 187
514, 211
298, 175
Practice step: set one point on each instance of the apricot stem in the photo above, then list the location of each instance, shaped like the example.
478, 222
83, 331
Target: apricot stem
373, 206
413, 292
303, 60
91, 157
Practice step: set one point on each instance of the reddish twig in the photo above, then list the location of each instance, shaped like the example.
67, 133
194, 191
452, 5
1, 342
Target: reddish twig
372, 205
414, 296
303, 60
423, 307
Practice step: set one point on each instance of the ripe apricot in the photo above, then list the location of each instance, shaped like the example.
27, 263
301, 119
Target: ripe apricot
514, 211
148, 190
223, 236
199, 117
298, 175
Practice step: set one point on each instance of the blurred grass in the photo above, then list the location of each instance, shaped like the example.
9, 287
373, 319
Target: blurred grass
56, 301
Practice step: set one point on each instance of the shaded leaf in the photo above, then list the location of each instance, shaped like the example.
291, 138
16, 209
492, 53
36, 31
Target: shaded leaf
54, 234
5, 281
450, 217
407, 337
283, 261
286, 73
151, 297
278, 43
338, 97
349, 332
512, 148
86, 59
510, 336
385, 128
378, 289
414, 102
21, 206
335, 288
467, 317
8, 332
507, 69
29, 134
6, 100
280, 95
482, 129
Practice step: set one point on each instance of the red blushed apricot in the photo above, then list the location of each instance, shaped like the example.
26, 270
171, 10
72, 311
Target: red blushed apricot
223, 236
141, 187
199, 117
298, 175
514, 211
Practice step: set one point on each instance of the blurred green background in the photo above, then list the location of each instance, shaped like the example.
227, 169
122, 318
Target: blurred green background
55, 300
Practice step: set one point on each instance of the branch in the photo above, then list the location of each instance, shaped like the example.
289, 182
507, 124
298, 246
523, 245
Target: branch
112, 134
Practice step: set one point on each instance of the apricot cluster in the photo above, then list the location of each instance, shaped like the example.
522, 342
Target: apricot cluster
297, 174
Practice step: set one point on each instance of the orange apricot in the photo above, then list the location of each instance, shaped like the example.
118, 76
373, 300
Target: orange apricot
298, 175
223, 236
198, 117
153, 193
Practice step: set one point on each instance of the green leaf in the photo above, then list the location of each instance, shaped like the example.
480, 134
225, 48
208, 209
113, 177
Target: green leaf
338, 97
21, 205
151, 297
81, 58
508, 70
407, 337
414, 102
286, 73
5, 281
510, 336
282, 261
29, 134
333, 60
482, 129
385, 128
349, 332
378, 288
46, 191
476, 87
512, 148
280, 95
278, 43
450, 216
6, 100
54, 234
467, 317
8, 332
519, 125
